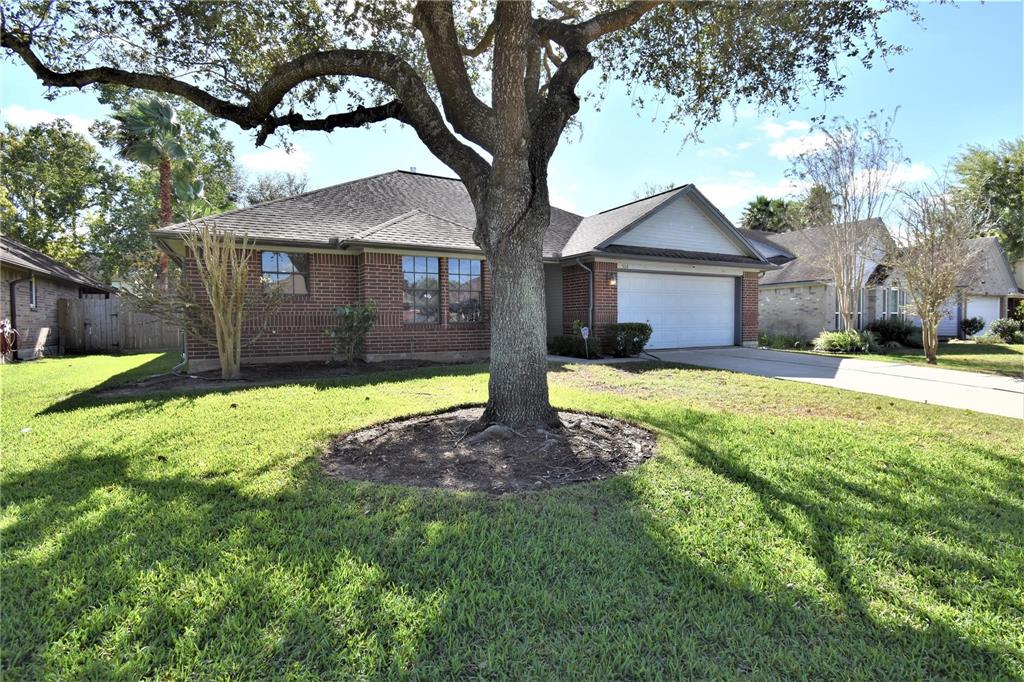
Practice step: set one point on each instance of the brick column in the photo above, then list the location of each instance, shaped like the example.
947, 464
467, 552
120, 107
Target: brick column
748, 308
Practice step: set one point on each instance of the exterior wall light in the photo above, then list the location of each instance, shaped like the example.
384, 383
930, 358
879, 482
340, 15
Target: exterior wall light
612, 281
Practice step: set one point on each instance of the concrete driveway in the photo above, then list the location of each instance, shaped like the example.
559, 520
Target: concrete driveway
966, 390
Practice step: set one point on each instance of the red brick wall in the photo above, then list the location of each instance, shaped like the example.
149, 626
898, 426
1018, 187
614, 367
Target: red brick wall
38, 331
382, 281
576, 296
298, 327
748, 307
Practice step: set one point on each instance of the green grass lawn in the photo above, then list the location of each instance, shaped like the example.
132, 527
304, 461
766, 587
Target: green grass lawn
784, 530
1006, 359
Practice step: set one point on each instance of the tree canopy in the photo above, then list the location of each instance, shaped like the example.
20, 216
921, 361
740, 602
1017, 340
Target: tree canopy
55, 183
772, 215
992, 182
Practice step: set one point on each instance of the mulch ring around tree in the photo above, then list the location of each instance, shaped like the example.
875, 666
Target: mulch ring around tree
454, 450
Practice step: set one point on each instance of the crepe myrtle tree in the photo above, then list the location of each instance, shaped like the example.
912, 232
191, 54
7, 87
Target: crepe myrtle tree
931, 249
489, 87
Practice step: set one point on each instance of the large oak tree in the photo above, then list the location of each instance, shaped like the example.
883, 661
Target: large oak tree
488, 87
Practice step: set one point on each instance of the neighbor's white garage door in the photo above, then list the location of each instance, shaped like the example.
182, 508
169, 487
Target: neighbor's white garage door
684, 310
985, 307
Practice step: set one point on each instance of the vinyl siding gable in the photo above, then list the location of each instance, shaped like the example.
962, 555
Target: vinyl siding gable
679, 224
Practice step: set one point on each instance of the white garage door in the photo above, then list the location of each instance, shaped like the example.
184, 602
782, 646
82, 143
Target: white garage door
985, 307
684, 310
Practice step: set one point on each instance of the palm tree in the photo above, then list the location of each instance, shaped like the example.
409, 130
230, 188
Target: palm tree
770, 215
150, 136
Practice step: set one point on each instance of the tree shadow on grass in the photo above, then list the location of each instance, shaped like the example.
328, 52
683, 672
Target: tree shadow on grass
147, 401
118, 566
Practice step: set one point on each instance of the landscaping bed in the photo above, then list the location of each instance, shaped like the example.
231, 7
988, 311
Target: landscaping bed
453, 450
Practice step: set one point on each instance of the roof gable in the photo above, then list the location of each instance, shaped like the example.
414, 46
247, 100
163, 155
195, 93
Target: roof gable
679, 224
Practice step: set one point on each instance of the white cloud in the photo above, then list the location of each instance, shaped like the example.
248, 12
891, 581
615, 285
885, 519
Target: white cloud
911, 172
26, 118
744, 145
732, 197
277, 160
794, 146
776, 130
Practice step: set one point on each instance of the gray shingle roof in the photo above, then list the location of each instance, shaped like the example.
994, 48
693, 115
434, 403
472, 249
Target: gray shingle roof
16, 255
762, 237
410, 209
367, 205
808, 247
598, 228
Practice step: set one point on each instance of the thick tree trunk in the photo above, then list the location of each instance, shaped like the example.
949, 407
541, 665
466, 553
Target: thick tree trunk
518, 386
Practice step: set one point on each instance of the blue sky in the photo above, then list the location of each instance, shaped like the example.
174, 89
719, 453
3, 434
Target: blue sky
960, 84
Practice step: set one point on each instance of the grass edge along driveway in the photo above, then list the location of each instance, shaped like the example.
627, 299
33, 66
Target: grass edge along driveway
783, 530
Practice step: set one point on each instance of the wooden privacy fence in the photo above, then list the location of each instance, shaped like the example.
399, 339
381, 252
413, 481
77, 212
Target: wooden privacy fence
111, 325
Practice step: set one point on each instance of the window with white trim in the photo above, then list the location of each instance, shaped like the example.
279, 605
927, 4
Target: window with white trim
894, 303
32, 291
858, 319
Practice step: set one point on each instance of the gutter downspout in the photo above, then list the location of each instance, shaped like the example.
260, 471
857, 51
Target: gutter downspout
590, 290
14, 316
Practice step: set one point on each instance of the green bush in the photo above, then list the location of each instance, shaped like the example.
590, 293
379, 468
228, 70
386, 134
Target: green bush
781, 341
626, 339
352, 322
914, 340
889, 329
571, 345
848, 341
1018, 313
1007, 329
969, 326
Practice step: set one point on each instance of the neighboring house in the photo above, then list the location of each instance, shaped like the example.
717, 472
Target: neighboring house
32, 284
798, 298
405, 240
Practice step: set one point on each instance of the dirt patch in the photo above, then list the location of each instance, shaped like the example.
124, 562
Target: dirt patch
257, 375
449, 450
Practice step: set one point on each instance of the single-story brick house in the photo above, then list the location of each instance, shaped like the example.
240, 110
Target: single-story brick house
32, 284
798, 298
404, 240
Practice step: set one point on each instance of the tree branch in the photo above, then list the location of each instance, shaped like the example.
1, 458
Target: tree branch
359, 116
576, 36
416, 106
483, 45
470, 117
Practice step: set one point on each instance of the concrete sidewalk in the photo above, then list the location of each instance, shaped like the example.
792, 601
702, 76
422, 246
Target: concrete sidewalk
953, 388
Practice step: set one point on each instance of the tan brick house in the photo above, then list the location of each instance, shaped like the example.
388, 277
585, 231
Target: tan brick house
405, 240
32, 284
798, 297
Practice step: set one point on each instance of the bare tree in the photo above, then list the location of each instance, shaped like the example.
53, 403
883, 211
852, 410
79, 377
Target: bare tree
216, 313
932, 252
854, 163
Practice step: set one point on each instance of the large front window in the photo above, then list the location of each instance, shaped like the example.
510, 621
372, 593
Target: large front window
288, 272
422, 290
465, 290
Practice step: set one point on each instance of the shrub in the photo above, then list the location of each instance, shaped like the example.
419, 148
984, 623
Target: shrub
892, 329
969, 326
1007, 329
781, 341
1018, 313
915, 340
626, 339
352, 322
570, 345
848, 341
